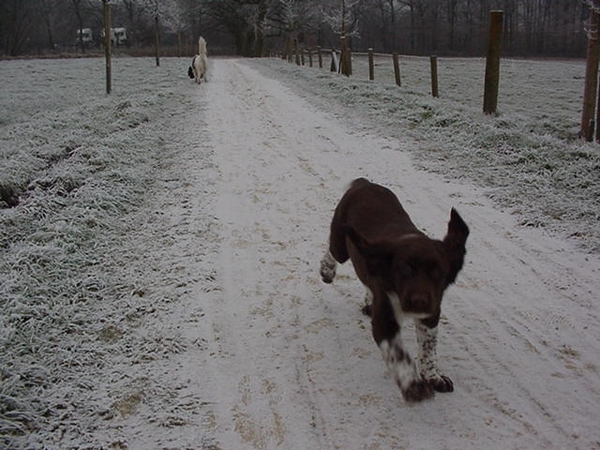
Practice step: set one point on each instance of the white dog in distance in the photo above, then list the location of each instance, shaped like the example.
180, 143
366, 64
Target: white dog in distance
199, 66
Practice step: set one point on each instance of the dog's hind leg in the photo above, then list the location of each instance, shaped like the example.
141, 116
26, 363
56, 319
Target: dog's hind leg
328, 267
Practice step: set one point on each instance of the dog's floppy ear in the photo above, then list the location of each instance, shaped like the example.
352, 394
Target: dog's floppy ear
378, 258
455, 241
190, 72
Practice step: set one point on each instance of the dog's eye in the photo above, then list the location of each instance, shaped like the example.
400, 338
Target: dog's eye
406, 270
435, 273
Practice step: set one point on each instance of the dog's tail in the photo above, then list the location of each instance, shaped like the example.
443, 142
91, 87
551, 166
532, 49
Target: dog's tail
202, 46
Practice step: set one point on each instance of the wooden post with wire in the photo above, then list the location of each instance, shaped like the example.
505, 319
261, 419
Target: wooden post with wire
106, 13
345, 57
434, 76
397, 69
371, 65
591, 79
156, 39
492, 65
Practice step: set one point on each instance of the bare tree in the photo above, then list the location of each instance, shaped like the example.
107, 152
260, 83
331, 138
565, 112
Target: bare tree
291, 19
342, 17
17, 21
78, 6
46, 10
343, 20
135, 16
531, 27
154, 7
245, 20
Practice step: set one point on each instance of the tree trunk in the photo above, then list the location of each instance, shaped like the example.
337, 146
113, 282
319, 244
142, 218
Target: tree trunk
451, 23
48, 25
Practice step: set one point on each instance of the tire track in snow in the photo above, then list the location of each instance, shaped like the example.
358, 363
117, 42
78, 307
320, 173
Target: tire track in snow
263, 271
293, 364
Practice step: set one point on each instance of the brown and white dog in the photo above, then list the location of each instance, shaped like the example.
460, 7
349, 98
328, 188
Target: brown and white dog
199, 66
405, 273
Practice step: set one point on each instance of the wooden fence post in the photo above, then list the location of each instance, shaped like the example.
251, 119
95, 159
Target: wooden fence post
591, 78
371, 65
434, 76
156, 40
106, 11
396, 69
492, 65
349, 60
320, 55
345, 58
597, 117
310, 58
302, 56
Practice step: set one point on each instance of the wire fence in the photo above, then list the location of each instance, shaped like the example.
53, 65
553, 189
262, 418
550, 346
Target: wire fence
527, 86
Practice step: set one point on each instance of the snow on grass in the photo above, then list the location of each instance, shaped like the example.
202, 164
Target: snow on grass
76, 276
527, 154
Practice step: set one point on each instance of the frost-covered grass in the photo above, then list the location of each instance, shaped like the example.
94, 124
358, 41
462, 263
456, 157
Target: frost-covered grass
77, 276
528, 154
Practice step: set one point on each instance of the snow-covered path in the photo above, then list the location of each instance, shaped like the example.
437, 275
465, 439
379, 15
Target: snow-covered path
291, 363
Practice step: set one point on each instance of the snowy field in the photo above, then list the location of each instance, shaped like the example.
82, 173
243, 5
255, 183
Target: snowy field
159, 282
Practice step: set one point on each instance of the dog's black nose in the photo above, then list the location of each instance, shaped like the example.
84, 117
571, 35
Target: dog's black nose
419, 303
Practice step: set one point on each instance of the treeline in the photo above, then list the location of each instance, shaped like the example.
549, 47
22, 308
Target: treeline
459, 27
256, 27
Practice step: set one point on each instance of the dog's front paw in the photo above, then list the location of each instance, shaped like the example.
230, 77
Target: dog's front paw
441, 384
417, 391
328, 268
327, 276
